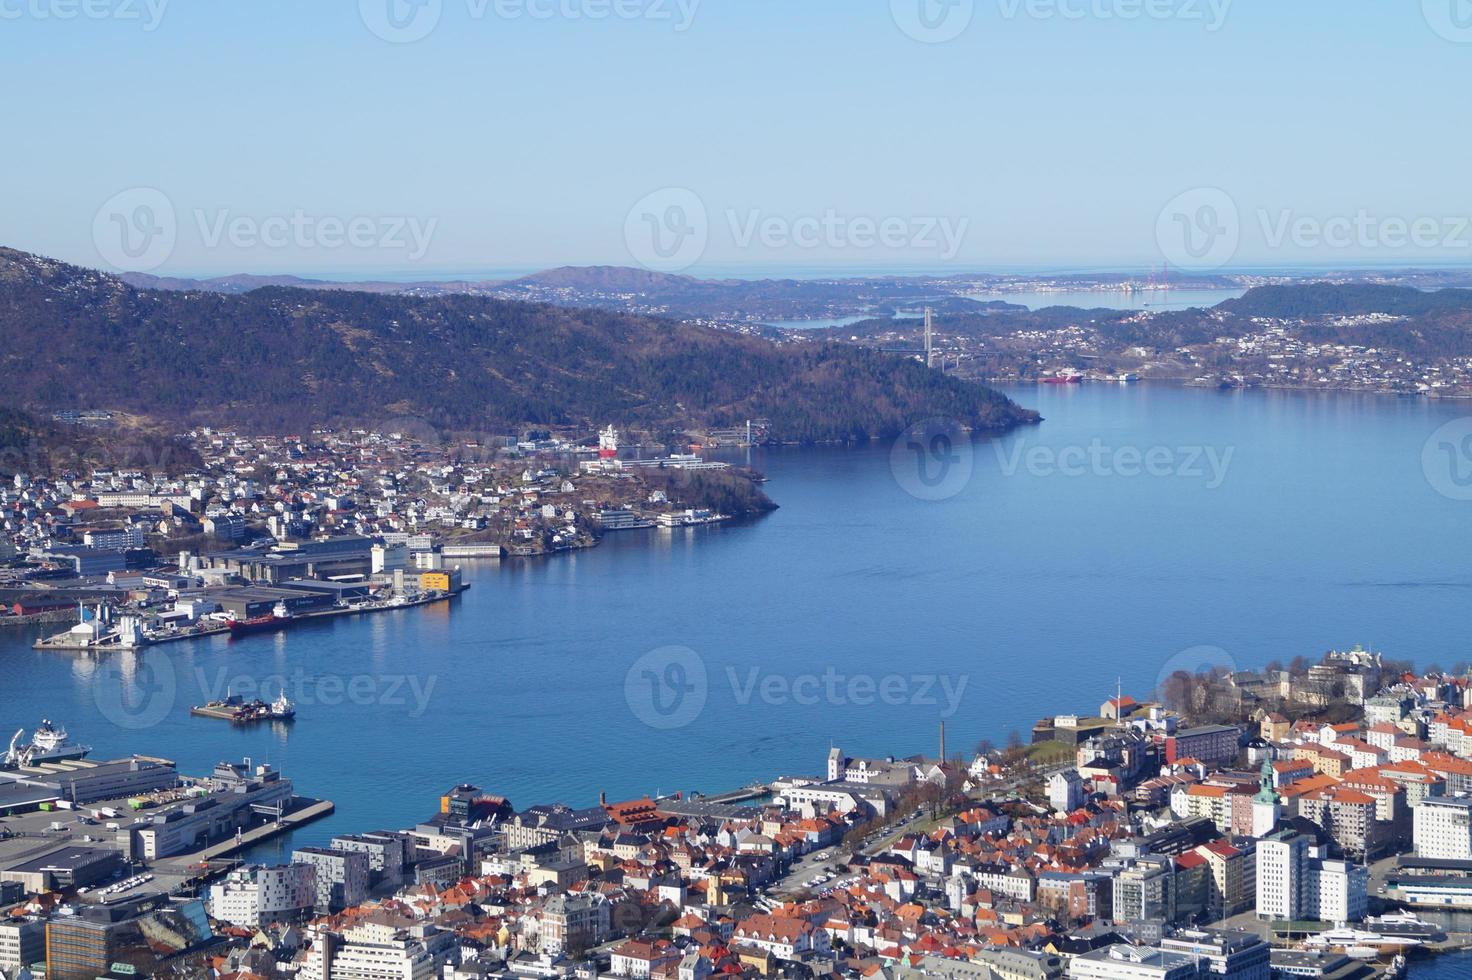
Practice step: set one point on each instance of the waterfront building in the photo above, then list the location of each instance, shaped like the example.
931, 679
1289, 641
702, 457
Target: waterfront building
1293, 883
1125, 962
389, 854
253, 897
1443, 828
1228, 955
341, 876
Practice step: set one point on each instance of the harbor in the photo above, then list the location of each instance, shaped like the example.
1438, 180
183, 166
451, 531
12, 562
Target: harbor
92, 635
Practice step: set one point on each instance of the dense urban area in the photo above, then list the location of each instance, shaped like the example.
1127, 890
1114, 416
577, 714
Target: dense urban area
1307, 821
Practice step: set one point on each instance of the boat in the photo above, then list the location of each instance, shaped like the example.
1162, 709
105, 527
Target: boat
276, 619
282, 708
235, 709
1381, 942
49, 743
1064, 379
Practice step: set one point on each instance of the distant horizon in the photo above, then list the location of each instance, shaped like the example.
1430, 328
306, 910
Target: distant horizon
764, 271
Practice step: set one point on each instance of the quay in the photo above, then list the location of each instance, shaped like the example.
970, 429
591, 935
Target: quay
66, 642
307, 810
753, 792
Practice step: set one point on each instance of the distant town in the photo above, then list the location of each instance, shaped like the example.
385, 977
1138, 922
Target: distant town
1307, 821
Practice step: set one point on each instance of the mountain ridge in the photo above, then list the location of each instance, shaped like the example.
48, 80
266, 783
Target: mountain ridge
278, 357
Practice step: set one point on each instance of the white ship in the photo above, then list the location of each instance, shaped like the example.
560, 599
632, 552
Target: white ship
50, 743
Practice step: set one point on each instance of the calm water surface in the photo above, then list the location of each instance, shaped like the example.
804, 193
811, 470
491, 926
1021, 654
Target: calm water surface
1026, 592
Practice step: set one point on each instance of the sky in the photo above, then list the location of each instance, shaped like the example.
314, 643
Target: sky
436, 138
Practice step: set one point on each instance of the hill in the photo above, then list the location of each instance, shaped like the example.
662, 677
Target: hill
279, 359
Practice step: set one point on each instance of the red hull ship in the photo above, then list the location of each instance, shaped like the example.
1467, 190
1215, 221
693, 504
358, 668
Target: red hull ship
1071, 379
256, 624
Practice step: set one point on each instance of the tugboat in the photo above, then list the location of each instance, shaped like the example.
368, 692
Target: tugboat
277, 619
50, 743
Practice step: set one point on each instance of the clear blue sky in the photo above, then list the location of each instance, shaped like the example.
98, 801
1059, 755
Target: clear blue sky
1056, 140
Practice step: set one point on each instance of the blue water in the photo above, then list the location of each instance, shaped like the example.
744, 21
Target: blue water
1028, 590
1457, 967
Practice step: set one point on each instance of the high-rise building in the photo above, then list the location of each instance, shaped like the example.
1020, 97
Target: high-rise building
342, 876
22, 943
1443, 828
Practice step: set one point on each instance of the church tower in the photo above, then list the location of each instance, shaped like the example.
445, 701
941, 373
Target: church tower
1266, 806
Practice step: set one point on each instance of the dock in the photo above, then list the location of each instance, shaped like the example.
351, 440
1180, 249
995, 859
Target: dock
60, 643
309, 811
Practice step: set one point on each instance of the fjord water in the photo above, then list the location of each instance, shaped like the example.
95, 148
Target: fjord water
1027, 591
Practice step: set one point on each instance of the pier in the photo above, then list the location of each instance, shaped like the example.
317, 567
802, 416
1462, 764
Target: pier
65, 643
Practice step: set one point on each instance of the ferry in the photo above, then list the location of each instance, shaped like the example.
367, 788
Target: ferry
50, 743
